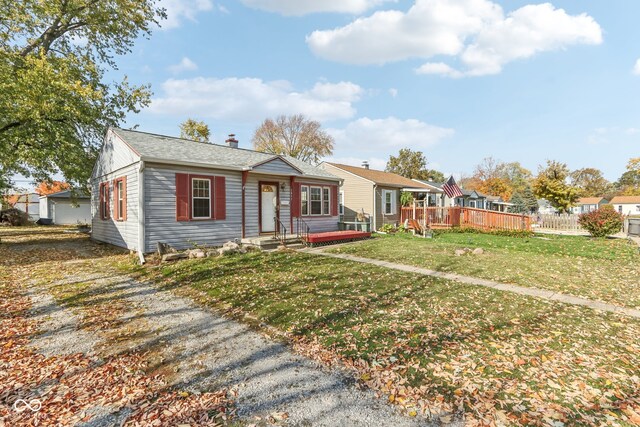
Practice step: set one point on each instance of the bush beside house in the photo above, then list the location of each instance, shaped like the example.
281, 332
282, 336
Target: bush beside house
601, 222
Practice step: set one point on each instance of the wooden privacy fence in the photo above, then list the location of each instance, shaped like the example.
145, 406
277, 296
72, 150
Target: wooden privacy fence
481, 219
564, 222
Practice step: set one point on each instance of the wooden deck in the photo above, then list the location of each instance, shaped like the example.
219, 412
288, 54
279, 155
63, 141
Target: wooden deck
333, 237
481, 219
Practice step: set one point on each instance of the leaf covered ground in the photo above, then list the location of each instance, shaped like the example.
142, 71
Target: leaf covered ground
600, 269
77, 387
435, 347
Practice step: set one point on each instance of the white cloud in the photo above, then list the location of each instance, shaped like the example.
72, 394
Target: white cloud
304, 7
250, 100
179, 10
184, 65
636, 68
388, 135
439, 68
393, 92
477, 32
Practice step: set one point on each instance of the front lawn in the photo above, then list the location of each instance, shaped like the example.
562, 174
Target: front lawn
432, 345
601, 269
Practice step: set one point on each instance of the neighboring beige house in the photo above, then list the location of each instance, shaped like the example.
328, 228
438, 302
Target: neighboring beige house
626, 205
588, 204
370, 190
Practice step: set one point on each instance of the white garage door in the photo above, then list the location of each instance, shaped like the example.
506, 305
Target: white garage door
65, 213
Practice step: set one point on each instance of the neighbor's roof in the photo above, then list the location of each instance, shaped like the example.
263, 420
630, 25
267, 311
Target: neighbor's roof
589, 200
167, 149
66, 194
623, 200
380, 177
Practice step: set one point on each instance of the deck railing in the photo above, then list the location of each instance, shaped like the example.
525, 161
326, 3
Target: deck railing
481, 219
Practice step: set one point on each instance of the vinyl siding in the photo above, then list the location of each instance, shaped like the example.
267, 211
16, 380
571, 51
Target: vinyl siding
114, 155
160, 210
276, 166
381, 218
358, 192
319, 224
119, 233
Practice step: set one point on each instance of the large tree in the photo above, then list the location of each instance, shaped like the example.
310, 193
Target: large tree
55, 101
516, 176
551, 184
413, 165
589, 182
496, 187
629, 182
195, 130
296, 136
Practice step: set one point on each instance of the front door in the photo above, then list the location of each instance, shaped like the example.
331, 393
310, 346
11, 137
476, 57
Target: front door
268, 205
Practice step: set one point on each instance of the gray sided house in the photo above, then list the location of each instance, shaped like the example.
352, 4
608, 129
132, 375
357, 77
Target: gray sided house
150, 188
374, 191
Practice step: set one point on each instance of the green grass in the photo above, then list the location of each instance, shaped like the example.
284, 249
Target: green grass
432, 343
602, 269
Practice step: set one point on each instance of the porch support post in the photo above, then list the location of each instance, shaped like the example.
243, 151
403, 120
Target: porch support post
245, 174
292, 179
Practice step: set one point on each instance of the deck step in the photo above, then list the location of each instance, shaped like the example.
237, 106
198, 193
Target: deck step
269, 242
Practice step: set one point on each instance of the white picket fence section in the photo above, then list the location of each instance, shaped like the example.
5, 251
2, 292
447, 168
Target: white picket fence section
562, 222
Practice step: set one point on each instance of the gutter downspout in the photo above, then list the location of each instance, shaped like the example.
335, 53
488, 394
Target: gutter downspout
141, 213
375, 212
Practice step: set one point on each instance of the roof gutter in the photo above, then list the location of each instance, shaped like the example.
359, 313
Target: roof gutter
141, 213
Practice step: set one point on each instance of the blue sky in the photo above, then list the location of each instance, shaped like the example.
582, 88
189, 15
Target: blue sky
459, 80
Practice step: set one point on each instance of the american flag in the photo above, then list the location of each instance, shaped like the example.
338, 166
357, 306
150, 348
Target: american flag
451, 189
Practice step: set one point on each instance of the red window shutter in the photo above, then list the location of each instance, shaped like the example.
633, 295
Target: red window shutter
334, 200
220, 195
107, 199
124, 198
101, 204
295, 200
182, 197
116, 195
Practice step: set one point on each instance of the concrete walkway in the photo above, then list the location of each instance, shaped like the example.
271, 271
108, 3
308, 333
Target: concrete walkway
522, 290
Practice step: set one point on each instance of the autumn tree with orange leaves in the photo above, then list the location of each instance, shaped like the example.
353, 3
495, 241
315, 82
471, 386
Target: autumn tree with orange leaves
45, 188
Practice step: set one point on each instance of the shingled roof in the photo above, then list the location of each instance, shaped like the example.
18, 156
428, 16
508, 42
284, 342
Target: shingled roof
625, 200
380, 177
168, 149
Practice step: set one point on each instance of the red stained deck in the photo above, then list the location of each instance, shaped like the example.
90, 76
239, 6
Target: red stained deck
336, 237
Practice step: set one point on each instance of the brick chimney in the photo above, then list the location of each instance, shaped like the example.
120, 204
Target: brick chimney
365, 164
232, 141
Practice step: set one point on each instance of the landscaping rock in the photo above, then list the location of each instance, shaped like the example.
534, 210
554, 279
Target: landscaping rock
460, 252
195, 253
212, 254
231, 245
164, 248
174, 256
478, 251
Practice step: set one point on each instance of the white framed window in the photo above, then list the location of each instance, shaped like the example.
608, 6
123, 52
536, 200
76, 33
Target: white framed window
316, 200
326, 201
388, 202
341, 203
304, 200
200, 198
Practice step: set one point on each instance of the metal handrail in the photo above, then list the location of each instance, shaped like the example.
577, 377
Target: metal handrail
280, 231
302, 229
